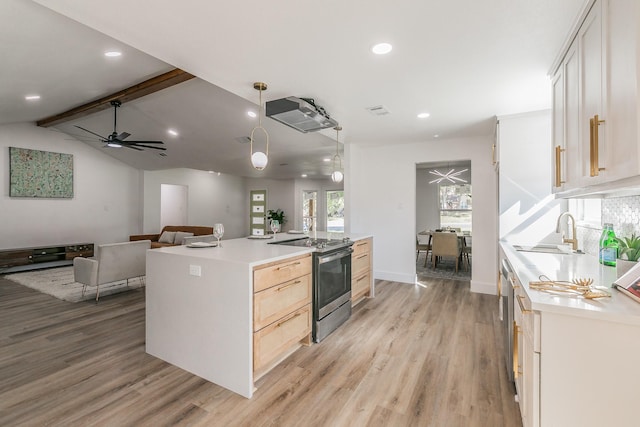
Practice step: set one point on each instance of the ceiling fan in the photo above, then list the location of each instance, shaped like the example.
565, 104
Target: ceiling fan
118, 140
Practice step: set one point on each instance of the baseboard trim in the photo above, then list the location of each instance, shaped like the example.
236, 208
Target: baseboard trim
483, 287
395, 277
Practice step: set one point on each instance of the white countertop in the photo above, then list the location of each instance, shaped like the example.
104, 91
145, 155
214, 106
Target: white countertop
529, 266
255, 251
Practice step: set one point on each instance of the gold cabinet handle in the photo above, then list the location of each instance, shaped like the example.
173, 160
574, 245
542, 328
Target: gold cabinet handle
288, 286
288, 265
285, 321
493, 154
558, 175
594, 164
362, 256
522, 309
360, 279
516, 331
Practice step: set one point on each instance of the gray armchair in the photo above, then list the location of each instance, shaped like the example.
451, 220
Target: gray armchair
112, 263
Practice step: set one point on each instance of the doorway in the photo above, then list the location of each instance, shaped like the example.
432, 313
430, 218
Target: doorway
173, 204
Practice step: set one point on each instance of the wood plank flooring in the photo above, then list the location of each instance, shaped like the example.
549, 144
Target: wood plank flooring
412, 356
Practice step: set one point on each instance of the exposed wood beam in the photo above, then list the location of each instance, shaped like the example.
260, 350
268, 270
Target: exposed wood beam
136, 91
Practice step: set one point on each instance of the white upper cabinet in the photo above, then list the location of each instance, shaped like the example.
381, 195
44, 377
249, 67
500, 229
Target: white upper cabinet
595, 101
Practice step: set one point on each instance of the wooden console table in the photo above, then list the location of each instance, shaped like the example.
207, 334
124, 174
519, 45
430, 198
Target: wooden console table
21, 259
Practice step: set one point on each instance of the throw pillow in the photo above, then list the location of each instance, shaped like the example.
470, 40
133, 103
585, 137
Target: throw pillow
167, 237
180, 235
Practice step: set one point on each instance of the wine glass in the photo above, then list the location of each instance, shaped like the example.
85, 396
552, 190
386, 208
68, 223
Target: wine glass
218, 232
275, 226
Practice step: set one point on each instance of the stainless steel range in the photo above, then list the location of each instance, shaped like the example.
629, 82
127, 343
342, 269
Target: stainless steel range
331, 282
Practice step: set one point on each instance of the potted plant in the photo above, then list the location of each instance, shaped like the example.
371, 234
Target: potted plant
278, 215
628, 253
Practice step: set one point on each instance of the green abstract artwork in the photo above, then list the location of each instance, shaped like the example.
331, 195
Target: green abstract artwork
35, 173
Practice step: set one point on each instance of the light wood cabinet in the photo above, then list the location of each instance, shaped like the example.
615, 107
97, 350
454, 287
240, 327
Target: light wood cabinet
281, 310
596, 100
361, 275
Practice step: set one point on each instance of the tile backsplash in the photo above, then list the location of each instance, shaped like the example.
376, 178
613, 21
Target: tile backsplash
622, 212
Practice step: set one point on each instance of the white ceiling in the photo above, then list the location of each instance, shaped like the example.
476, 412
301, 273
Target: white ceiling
462, 61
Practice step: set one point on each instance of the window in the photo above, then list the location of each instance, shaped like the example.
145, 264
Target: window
335, 211
309, 213
455, 206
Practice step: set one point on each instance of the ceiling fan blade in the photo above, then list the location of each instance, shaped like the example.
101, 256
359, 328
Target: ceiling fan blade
133, 147
146, 146
143, 142
123, 135
92, 133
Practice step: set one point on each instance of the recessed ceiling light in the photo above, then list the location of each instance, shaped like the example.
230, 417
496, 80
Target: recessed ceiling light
172, 132
304, 175
436, 136
423, 115
381, 48
252, 114
32, 97
326, 159
112, 53
211, 171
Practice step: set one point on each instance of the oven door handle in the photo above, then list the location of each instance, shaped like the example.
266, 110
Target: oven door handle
333, 257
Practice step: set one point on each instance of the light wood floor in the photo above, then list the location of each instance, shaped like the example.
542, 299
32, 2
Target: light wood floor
412, 356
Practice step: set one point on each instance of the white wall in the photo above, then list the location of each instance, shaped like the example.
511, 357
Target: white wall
380, 196
174, 204
105, 207
212, 198
528, 210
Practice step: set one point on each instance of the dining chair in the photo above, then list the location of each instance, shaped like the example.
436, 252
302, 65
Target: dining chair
424, 247
446, 245
466, 249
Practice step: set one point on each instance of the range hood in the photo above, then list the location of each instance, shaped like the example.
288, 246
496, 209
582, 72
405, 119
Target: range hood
299, 113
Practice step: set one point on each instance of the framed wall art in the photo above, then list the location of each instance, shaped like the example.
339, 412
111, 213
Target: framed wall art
41, 174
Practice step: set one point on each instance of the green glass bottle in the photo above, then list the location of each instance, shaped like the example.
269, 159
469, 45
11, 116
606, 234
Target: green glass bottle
608, 246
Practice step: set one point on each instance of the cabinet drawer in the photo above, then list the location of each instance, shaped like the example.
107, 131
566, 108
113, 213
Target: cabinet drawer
272, 274
360, 263
360, 285
278, 337
361, 246
277, 301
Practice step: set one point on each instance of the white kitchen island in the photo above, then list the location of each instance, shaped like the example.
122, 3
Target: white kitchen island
199, 306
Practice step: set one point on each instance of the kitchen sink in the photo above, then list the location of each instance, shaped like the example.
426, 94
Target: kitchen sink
546, 248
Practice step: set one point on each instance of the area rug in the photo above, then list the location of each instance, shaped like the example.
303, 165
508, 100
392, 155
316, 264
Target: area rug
446, 269
58, 282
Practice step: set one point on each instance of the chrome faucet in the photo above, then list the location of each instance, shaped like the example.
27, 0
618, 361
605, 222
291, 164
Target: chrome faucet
574, 238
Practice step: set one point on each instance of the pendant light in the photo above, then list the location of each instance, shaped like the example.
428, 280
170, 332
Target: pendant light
451, 176
337, 174
260, 159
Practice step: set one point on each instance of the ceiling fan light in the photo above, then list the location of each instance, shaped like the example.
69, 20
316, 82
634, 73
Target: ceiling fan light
337, 176
114, 145
259, 160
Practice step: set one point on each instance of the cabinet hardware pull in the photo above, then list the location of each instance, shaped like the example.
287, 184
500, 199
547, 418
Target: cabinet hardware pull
287, 286
361, 278
522, 309
493, 154
596, 150
361, 244
362, 256
285, 321
513, 283
515, 349
288, 265
558, 180
592, 171
499, 285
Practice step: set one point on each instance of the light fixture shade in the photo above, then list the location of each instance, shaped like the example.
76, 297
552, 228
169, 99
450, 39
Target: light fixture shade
337, 176
113, 145
259, 160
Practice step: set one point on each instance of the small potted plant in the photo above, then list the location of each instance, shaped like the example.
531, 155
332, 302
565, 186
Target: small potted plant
628, 253
278, 215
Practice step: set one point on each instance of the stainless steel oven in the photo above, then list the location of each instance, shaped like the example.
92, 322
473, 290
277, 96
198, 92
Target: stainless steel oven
332, 291
506, 294
331, 282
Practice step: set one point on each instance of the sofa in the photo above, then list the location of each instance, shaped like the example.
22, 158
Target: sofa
172, 235
112, 262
